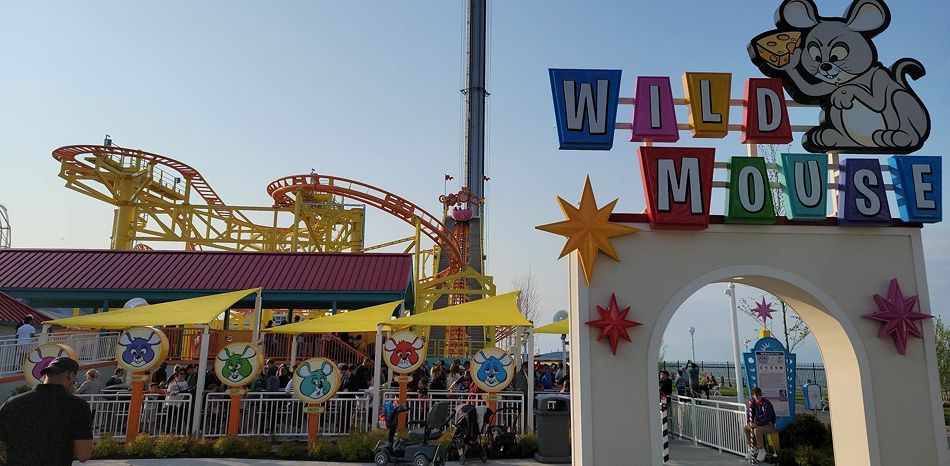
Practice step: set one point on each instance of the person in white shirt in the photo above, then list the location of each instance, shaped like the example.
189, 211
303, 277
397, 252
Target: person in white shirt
25, 332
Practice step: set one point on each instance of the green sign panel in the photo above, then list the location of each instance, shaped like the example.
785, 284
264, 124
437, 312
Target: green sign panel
750, 196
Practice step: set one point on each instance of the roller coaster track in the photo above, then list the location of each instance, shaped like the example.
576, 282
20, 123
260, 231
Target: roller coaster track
68, 156
282, 191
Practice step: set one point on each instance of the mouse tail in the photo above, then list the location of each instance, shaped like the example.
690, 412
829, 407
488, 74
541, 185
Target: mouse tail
905, 67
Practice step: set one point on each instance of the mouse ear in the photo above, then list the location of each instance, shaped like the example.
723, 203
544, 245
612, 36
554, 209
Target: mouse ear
868, 16
800, 14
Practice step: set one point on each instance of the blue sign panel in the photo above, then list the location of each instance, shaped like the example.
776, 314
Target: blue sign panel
771, 367
804, 179
861, 196
585, 104
918, 186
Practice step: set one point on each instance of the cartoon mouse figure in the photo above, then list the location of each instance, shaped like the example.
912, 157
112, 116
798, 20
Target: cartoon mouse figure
867, 107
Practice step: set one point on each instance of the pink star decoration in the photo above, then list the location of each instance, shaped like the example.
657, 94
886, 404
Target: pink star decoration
613, 323
763, 310
897, 316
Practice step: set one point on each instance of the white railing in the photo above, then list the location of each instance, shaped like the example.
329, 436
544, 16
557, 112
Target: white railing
160, 416
278, 415
718, 424
419, 407
91, 347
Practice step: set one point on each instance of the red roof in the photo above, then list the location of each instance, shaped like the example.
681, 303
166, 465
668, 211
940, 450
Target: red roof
200, 270
12, 310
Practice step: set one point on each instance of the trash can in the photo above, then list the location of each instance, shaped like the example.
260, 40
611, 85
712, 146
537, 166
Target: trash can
552, 421
812, 395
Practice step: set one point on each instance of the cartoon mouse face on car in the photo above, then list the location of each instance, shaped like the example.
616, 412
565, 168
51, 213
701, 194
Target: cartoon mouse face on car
315, 383
868, 108
492, 371
404, 354
138, 351
237, 366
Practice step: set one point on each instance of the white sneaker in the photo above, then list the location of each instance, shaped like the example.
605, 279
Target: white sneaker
761, 455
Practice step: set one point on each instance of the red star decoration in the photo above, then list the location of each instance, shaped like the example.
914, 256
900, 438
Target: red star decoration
613, 323
897, 316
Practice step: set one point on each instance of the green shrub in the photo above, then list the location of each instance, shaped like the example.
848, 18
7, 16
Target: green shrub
257, 447
229, 447
142, 446
201, 449
445, 441
170, 446
358, 446
806, 455
529, 444
324, 450
107, 447
806, 430
291, 451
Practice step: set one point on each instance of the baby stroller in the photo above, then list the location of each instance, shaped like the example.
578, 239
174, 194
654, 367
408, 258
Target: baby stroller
470, 424
503, 439
417, 450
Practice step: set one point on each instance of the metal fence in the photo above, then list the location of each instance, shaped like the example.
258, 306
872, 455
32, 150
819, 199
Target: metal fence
726, 374
278, 415
717, 424
91, 347
160, 416
419, 407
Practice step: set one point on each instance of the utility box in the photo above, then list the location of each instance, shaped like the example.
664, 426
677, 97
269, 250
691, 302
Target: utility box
812, 396
552, 419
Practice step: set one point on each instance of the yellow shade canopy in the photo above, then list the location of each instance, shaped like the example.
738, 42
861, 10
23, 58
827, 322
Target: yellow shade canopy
501, 310
200, 310
360, 320
560, 327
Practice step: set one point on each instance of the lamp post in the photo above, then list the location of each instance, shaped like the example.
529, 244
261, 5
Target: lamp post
731, 292
559, 316
692, 343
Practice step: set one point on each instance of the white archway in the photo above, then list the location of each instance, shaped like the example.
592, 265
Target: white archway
828, 274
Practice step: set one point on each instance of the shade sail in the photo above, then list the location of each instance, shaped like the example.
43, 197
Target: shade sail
560, 327
201, 310
360, 320
501, 310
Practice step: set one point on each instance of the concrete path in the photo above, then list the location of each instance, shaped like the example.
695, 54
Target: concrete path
681, 453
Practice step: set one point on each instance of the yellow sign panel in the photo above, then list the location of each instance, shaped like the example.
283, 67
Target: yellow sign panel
313, 409
238, 364
708, 97
141, 349
402, 378
40, 357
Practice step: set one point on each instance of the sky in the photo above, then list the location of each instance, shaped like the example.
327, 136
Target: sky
247, 92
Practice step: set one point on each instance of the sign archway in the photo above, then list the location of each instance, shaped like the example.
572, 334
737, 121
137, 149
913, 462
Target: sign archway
869, 419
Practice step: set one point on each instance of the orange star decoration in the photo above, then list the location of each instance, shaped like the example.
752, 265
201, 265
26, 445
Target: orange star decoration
588, 229
613, 323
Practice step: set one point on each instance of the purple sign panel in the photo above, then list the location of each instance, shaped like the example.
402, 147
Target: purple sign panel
862, 199
654, 118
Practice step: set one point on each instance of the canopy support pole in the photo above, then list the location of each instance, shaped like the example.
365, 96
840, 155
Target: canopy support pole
257, 318
202, 373
377, 376
44, 335
530, 401
293, 349
519, 354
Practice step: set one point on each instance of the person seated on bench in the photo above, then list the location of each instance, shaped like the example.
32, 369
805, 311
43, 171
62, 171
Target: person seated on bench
760, 416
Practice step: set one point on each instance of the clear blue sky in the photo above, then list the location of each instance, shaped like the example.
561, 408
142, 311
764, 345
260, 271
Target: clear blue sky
247, 92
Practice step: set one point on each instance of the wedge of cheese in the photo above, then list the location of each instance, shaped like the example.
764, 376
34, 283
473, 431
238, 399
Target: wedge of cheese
776, 48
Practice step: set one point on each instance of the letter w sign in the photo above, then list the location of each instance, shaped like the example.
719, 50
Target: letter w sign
585, 104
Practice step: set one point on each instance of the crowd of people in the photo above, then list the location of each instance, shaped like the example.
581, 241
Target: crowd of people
689, 382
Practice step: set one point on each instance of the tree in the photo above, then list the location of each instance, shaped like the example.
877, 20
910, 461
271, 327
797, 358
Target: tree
770, 153
794, 334
943, 353
529, 301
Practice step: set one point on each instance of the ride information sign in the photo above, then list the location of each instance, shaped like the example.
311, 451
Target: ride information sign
770, 366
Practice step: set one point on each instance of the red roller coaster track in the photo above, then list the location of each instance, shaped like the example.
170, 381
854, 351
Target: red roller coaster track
282, 189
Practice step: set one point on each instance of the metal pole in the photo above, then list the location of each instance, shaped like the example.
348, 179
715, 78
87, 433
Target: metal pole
530, 400
692, 343
44, 334
736, 357
475, 93
563, 352
293, 349
377, 376
257, 318
202, 372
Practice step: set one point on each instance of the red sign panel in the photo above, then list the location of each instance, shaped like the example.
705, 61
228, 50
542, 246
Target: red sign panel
677, 183
765, 115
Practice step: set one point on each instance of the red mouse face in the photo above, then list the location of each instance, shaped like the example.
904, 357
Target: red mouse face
404, 354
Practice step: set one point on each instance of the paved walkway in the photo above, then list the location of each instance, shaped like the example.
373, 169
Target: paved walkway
681, 453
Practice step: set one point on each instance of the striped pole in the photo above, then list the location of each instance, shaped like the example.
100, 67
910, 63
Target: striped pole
664, 410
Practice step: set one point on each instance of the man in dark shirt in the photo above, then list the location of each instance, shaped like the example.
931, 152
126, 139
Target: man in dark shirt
760, 416
666, 385
48, 425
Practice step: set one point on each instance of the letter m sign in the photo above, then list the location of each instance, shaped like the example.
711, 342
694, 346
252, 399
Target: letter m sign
585, 104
